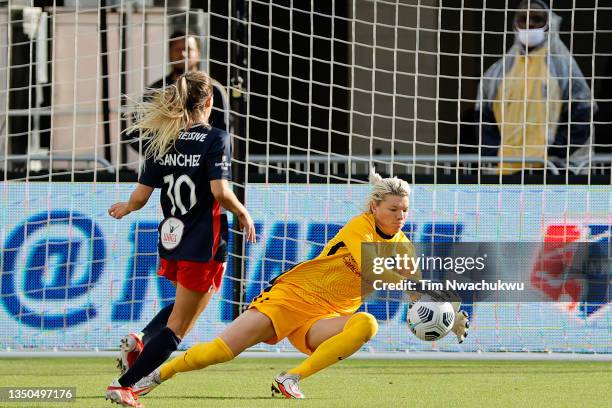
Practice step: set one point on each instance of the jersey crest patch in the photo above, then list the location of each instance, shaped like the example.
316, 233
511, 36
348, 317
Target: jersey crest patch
171, 233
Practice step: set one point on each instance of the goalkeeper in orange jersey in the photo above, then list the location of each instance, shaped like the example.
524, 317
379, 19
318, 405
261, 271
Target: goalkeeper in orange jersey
313, 304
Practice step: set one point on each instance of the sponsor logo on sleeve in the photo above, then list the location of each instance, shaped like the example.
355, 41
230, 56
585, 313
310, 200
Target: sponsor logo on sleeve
224, 163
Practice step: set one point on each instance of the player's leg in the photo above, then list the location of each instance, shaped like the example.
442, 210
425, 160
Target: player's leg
248, 329
132, 344
188, 306
335, 339
159, 321
169, 270
330, 340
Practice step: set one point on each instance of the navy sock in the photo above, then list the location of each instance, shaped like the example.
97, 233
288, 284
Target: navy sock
154, 354
157, 323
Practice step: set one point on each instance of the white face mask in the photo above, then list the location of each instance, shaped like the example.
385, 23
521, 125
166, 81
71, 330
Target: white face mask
531, 37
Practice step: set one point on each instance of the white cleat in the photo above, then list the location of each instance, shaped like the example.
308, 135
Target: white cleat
286, 385
122, 395
130, 348
146, 384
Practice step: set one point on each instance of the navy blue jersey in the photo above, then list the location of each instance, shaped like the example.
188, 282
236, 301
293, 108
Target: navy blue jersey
194, 227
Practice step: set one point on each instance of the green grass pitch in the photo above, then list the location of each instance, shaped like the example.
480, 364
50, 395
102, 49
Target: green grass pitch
353, 383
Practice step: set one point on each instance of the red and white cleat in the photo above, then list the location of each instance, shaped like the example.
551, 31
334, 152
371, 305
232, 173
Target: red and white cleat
287, 385
122, 395
130, 348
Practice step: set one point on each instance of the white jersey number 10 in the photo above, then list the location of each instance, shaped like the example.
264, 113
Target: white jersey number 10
174, 192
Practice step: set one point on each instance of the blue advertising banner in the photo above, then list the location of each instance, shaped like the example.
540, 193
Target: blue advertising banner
74, 278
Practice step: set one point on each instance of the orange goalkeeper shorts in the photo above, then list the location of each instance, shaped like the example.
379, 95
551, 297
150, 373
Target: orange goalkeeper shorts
291, 316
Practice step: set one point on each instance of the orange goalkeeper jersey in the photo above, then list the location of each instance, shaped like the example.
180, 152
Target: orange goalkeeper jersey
332, 280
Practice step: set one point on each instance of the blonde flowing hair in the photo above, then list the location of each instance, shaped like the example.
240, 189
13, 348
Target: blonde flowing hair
381, 187
169, 111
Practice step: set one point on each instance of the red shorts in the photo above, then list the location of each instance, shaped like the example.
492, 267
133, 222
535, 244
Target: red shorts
198, 276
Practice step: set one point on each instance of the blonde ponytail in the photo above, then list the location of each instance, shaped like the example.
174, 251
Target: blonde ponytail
169, 111
374, 177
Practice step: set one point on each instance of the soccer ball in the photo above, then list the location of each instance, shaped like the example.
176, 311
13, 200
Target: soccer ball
431, 321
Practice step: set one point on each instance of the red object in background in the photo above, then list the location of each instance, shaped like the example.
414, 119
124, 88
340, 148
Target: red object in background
552, 261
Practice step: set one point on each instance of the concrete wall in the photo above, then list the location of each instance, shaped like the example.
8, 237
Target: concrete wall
77, 94
77, 124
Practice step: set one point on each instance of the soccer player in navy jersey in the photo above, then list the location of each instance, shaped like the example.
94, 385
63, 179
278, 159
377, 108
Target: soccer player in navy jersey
190, 162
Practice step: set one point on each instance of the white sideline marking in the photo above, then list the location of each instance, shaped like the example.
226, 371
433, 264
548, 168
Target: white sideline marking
416, 355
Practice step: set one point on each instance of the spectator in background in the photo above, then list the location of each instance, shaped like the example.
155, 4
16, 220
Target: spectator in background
185, 55
534, 102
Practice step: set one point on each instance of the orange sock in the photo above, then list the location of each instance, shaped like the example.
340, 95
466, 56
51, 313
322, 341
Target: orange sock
357, 331
196, 357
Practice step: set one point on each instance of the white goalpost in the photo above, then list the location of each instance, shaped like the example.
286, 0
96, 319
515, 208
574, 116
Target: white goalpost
315, 94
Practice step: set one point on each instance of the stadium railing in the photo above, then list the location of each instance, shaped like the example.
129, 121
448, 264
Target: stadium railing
50, 160
597, 163
426, 164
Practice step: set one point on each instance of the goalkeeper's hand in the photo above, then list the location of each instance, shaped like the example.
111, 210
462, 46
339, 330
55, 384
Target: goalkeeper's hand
461, 325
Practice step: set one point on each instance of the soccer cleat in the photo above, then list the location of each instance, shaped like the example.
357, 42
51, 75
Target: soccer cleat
146, 384
122, 395
130, 348
287, 385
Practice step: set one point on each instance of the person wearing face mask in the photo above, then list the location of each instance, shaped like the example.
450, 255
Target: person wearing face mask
534, 102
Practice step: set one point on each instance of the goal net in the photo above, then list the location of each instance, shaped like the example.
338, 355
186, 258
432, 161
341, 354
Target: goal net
315, 94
